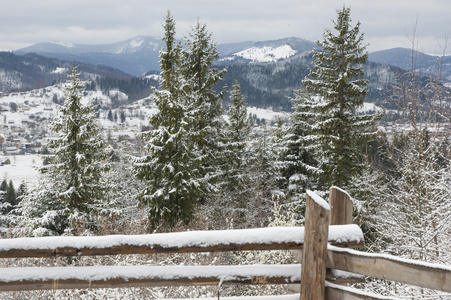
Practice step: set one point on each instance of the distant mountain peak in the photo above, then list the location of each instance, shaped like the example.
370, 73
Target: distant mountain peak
139, 43
266, 53
67, 45
269, 51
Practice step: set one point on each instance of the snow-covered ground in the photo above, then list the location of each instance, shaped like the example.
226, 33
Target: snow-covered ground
23, 168
266, 54
369, 107
266, 114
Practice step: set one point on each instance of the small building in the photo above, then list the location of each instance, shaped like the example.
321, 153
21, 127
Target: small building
12, 150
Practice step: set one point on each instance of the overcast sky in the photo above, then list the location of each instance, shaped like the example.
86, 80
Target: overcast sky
385, 23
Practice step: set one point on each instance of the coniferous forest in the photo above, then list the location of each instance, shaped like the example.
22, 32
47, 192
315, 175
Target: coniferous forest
205, 166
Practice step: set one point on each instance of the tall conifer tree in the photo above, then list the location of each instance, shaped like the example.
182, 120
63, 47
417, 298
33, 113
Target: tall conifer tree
171, 168
299, 145
78, 151
338, 78
236, 135
206, 111
70, 189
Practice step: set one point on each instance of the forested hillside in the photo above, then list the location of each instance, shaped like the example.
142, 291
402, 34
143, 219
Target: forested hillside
271, 85
31, 71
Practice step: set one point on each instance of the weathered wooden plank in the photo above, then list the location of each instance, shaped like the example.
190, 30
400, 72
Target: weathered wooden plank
341, 207
271, 297
49, 278
317, 214
289, 238
337, 292
390, 267
134, 282
136, 249
343, 277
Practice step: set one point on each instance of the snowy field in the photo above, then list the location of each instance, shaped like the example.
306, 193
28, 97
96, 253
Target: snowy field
266, 114
23, 168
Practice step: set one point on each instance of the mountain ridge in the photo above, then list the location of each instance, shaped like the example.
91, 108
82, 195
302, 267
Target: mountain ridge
140, 54
134, 43
30, 71
268, 71
135, 56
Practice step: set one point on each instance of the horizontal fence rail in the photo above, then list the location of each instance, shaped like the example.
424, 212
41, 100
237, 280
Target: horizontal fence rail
50, 278
332, 293
389, 267
143, 276
337, 292
272, 238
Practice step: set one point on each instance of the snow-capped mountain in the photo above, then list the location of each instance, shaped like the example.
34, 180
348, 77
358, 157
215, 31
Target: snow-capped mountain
268, 51
266, 54
134, 56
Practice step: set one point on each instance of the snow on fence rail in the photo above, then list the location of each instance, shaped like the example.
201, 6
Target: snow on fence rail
272, 238
323, 263
48, 278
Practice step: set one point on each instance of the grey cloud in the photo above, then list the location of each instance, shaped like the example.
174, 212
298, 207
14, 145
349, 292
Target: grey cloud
90, 21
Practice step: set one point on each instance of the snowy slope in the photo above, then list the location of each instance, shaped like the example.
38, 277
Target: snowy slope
266, 54
265, 51
23, 168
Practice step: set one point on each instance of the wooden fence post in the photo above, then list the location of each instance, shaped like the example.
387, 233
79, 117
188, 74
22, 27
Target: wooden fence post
341, 207
316, 231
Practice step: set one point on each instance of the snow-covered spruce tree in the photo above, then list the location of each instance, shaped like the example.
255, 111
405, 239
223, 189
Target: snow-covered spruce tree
231, 198
337, 77
206, 113
236, 135
41, 213
299, 146
70, 186
78, 157
9, 200
172, 167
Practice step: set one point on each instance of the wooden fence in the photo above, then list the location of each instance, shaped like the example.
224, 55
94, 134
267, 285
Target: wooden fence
327, 261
